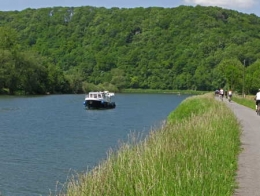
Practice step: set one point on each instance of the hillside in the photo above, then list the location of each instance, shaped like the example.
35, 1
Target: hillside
199, 48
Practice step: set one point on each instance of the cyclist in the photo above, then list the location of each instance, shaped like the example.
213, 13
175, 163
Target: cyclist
221, 94
229, 95
257, 99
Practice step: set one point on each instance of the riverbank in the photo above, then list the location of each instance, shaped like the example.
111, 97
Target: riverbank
5, 92
178, 92
194, 152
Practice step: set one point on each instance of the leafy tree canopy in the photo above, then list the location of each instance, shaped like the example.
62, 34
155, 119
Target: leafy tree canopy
73, 49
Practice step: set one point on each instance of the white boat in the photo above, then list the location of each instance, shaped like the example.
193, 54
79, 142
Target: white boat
99, 100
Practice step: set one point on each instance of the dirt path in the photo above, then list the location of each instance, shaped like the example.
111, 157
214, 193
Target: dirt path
248, 176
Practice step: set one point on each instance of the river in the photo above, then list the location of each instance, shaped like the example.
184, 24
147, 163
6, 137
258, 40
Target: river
46, 139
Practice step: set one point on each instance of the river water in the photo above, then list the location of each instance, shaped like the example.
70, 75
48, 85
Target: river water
46, 139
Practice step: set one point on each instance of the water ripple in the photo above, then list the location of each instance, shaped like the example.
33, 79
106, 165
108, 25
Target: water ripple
9, 109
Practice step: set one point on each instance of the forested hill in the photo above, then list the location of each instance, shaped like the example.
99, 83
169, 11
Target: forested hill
70, 49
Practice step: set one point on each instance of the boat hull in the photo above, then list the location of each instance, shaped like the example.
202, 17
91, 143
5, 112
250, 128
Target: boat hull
96, 104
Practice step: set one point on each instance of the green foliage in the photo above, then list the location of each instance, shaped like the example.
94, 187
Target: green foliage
88, 87
75, 78
8, 37
6, 68
252, 77
231, 73
155, 48
118, 78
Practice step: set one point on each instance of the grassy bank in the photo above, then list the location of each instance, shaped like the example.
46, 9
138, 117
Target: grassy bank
194, 153
247, 101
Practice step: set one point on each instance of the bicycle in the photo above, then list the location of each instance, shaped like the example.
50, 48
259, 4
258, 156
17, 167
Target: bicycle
258, 109
229, 98
221, 97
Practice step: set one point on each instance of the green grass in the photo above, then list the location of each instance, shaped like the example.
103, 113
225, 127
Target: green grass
194, 153
247, 101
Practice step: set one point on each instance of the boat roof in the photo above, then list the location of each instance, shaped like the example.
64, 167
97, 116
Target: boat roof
107, 93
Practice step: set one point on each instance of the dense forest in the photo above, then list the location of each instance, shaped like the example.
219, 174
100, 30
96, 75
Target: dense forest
78, 49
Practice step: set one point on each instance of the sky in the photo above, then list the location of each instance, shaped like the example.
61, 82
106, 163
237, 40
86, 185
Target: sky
244, 6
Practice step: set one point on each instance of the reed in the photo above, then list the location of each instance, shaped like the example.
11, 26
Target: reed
193, 153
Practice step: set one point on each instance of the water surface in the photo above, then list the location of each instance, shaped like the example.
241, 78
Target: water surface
45, 139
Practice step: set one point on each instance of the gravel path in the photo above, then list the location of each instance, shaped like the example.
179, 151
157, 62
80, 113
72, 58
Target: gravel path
248, 175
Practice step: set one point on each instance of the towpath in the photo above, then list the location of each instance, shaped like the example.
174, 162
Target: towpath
248, 175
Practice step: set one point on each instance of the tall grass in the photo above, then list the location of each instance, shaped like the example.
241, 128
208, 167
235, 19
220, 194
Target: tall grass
194, 153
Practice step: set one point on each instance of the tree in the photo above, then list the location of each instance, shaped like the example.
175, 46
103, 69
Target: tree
252, 79
203, 78
118, 78
75, 78
232, 71
8, 37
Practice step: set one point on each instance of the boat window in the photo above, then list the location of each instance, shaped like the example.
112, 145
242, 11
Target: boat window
99, 96
95, 96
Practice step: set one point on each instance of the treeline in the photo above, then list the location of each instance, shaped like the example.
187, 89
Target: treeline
25, 71
76, 49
